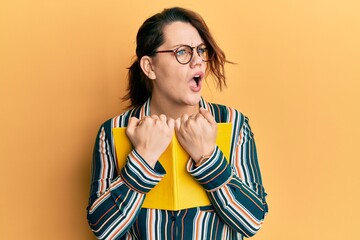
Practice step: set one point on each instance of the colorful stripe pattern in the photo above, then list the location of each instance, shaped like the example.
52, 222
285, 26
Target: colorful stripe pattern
234, 187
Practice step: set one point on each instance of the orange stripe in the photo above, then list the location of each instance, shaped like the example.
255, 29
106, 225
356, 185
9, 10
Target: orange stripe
115, 122
239, 169
141, 166
120, 227
230, 115
215, 175
247, 196
183, 224
131, 186
102, 216
198, 225
103, 196
230, 198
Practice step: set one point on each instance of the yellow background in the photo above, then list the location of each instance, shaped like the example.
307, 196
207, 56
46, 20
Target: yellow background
62, 70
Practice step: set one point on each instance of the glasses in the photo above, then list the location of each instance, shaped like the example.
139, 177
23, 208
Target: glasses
184, 53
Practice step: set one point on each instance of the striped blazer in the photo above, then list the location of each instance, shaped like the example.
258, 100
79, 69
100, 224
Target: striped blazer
238, 204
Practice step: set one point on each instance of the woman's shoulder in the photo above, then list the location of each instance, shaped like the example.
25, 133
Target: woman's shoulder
226, 114
122, 119
223, 113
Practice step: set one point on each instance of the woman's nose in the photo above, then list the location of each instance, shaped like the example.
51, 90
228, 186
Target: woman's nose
196, 60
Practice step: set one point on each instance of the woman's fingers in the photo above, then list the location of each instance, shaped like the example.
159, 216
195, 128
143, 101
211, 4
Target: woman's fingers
171, 123
197, 133
207, 115
150, 136
133, 122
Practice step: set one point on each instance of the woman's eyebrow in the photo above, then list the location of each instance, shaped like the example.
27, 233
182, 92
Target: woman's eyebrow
183, 44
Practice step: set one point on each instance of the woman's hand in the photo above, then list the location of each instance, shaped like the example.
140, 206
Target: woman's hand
197, 134
150, 136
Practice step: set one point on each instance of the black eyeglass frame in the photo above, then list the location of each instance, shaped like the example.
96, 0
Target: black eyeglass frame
192, 52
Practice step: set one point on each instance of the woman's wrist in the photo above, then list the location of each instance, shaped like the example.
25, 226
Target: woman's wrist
202, 159
150, 159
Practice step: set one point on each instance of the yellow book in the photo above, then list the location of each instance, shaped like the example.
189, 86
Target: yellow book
178, 189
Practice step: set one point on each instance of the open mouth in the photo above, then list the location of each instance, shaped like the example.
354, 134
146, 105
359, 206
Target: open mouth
197, 79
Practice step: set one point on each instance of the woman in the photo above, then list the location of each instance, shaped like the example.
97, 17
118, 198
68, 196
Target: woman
175, 51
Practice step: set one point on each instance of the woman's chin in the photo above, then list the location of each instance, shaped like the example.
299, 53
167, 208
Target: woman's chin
194, 100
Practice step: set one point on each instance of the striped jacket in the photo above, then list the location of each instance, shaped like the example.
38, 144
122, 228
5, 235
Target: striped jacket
235, 188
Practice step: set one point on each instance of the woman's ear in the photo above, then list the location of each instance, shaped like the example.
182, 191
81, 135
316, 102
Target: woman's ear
146, 66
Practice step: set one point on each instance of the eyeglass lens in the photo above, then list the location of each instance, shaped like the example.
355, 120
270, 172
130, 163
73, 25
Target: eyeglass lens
184, 54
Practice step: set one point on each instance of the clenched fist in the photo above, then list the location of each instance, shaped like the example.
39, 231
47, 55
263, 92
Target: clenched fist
150, 136
197, 134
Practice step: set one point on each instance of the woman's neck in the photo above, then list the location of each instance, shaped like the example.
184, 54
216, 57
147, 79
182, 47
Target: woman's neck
171, 110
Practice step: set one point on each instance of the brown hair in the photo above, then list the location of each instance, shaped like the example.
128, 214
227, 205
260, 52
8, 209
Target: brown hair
150, 37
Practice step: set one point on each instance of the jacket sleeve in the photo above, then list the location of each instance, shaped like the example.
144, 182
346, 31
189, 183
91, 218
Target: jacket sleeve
235, 188
115, 199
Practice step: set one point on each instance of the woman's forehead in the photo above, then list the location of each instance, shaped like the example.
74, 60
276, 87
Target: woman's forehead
180, 33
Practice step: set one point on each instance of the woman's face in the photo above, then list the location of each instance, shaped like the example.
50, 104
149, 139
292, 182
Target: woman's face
177, 84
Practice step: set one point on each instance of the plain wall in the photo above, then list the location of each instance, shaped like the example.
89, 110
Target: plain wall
62, 73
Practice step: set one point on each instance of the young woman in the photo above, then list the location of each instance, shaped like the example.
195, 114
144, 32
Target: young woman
175, 52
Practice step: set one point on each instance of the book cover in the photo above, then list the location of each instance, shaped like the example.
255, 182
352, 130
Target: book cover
178, 189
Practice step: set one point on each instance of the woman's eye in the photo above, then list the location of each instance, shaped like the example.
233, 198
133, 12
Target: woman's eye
202, 50
181, 52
